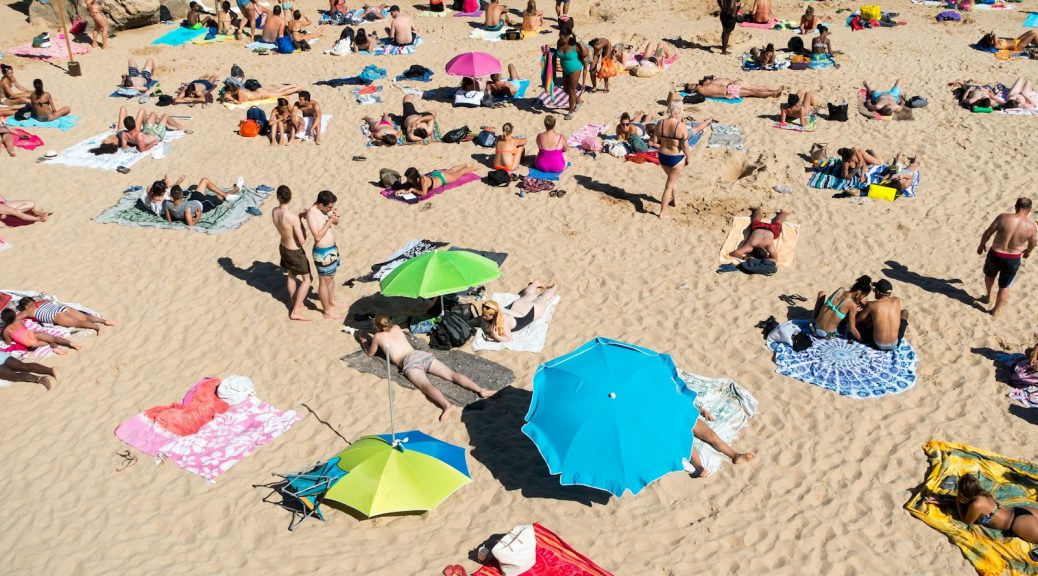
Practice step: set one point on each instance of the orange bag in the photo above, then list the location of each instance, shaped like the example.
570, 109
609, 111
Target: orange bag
249, 128
607, 69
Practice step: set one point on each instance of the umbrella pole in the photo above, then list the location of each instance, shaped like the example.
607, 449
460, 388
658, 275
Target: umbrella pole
389, 388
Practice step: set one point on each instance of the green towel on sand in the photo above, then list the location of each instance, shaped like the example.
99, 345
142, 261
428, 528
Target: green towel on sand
130, 211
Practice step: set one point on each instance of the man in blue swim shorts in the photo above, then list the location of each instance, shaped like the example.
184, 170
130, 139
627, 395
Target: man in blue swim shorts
320, 218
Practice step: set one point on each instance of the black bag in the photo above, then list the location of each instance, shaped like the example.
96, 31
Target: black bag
758, 266
694, 98
456, 135
452, 331
801, 342
252, 84
485, 139
416, 71
164, 100
498, 178
513, 34
795, 45
837, 112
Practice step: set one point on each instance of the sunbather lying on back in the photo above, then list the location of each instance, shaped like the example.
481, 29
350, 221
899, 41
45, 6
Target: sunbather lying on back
139, 79
48, 312
240, 95
1022, 95
421, 184
14, 370
1026, 40
884, 103
17, 332
499, 324
23, 210
983, 96
144, 132
706, 434
712, 87
900, 176
415, 365
761, 240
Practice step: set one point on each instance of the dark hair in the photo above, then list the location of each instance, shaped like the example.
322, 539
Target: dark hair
822, 28
25, 303
770, 47
191, 90
8, 316
277, 10
845, 153
495, 77
297, 15
388, 140
326, 198
625, 116
793, 100
282, 101
362, 36
37, 85
176, 192
284, 194
305, 95
129, 123
988, 40
420, 132
226, 6
1023, 203
394, 8
886, 111
5, 68
468, 84
157, 187
863, 284
414, 177
104, 149
967, 490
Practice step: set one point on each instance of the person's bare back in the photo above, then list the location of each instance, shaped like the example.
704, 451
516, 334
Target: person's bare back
288, 226
402, 30
1013, 233
394, 344
886, 318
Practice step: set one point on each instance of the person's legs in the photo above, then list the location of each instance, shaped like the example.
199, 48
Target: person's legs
421, 382
72, 318
807, 101
1000, 300
780, 217
513, 74
706, 434
570, 85
11, 372
8, 141
457, 171
9, 210
326, 294
56, 341
298, 288
541, 303
440, 370
757, 91
989, 289
669, 194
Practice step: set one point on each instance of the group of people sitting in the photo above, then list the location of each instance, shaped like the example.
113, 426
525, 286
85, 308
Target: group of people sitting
19, 101
880, 323
167, 199
899, 175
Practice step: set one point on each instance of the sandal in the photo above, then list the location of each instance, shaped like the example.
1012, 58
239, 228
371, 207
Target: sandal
359, 158
128, 460
560, 193
567, 117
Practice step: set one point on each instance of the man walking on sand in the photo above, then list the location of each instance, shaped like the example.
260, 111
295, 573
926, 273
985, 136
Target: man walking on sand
320, 218
729, 13
293, 258
1014, 239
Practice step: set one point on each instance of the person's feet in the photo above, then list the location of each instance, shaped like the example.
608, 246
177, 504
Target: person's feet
46, 381
75, 345
58, 351
299, 316
333, 316
744, 458
699, 472
446, 413
484, 393
99, 329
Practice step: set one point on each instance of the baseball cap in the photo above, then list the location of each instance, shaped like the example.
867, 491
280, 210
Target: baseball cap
884, 286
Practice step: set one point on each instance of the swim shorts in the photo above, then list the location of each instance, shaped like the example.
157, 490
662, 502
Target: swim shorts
1005, 266
294, 261
417, 360
326, 260
774, 227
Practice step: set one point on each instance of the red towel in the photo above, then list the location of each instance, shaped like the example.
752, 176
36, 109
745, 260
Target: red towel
24, 140
554, 558
199, 407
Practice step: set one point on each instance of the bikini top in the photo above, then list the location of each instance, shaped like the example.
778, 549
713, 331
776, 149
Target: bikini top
674, 135
985, 520
836, 307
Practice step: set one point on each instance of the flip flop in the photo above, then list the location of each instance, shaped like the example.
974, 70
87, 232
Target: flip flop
359, 158
727, 268
560, 193
128, 460
254, 211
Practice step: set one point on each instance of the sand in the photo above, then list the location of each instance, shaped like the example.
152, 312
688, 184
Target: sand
823, 497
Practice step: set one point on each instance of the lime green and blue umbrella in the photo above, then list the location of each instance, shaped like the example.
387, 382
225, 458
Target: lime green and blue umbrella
612, 416
403, 472
438, 273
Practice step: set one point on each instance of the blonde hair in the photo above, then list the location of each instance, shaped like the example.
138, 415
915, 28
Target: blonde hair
675, 109
382, 322
498, 324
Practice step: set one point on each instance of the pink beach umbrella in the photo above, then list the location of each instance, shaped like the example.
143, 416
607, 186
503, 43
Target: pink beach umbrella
473, 65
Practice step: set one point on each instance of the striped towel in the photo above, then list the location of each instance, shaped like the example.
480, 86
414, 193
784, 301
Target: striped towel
389, 49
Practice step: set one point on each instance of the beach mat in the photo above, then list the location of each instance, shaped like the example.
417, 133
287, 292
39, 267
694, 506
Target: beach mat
549, 176
786, 243
179, 36
1012, 482
79, 155
848, 368
465, 179
489, 375
58, 50
554, 557
529, 339
732, 407
130, 211
765, 26
65, 123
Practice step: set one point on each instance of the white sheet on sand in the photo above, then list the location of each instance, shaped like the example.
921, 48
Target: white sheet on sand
732, 407
309, 121
529, 339
489, 35
79, 155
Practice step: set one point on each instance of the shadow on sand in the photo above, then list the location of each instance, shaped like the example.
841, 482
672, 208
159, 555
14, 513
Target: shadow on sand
946, 286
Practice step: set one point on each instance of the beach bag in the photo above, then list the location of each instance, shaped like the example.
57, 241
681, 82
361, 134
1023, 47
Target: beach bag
389, 177
165, 100
513, 34
1023, 375
882, 192
694, 98
485, 139
591, 144
516, 551
949, 16
819, 152
607, 69
801, 342
916, 102
498, 178
78, 26
248, 128
638, 144
758, 266
783, 333
285, 45
416, 71
618, 149
435, 6
795, 45
837, 112
456, 135
257, 114
871, 13
452, 331
251, 84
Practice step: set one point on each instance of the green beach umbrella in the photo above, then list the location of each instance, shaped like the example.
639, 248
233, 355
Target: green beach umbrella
405, 472
437, 273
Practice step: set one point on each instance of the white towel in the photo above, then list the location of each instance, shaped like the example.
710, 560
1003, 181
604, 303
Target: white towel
529, 339
79, 155
732, 407
308, 122
490, 36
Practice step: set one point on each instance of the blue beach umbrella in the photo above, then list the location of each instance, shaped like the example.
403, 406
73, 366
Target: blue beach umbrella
612, 416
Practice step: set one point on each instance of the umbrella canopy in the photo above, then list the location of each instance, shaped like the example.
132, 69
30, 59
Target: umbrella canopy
437, 273
415, 473
611, 415
473, 64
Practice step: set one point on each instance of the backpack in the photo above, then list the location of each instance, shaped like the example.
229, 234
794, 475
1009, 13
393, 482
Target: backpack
389, 177
456, 135
485, 139
513, 34
694, 98
498, 178
837, 112
801, 342
758, 266
452, 331
638, 144
285, 45
257, 115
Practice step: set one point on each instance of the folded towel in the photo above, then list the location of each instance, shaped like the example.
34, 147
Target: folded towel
488, 35
551, 176
1032, 20
260, 45
65, 123
411, 198
423, 78
529, 339
24, 140
765, 26
786, 244
308, 123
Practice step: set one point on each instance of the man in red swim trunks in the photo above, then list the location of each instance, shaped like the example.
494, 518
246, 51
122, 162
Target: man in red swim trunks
1014, 239
761, 240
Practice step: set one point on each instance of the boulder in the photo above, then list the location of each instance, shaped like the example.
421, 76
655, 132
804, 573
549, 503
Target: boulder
121, 14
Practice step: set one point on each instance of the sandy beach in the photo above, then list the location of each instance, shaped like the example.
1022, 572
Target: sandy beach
826, 491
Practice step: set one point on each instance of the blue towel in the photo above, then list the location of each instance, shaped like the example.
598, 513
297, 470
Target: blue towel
552, 176
179, 36
520, 88
1032, 20
725, 100
65, 123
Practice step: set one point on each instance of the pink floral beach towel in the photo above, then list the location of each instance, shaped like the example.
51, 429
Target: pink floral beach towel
56, 51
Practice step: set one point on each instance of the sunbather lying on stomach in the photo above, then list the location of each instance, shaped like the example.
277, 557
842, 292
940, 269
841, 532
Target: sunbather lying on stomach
499, 324
383, 132
415, 365
14, 370
15, 331
422, 183
712, 87
240, 95
761, 240
47, 312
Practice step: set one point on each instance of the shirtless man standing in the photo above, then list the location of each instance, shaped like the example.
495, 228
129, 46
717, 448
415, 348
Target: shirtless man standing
293, 258
729, 14
309, 109
415, 365
402, 31
883, 321
762, 237
273, 26
1014, 239
320, 218
43, 107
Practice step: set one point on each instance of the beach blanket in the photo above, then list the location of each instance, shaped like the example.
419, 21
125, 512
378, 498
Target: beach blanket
130, 211
124, 92
238, 106
731, 406
828, 176
79, 155
848, 368
1012, 482
726, 136
993, 7
490, 375
24, 140
794, 126
387, 48
529, 339
786, 244
58, 50
489, 35
65, 123
179, 36
549, 176
584, 133
558, 97
308, 122
748, 64
1032, 20
412, 249
765, 26
410, 198
554, 558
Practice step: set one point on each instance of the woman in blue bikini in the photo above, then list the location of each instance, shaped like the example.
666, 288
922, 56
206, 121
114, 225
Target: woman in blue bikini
841, 305
672, 134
